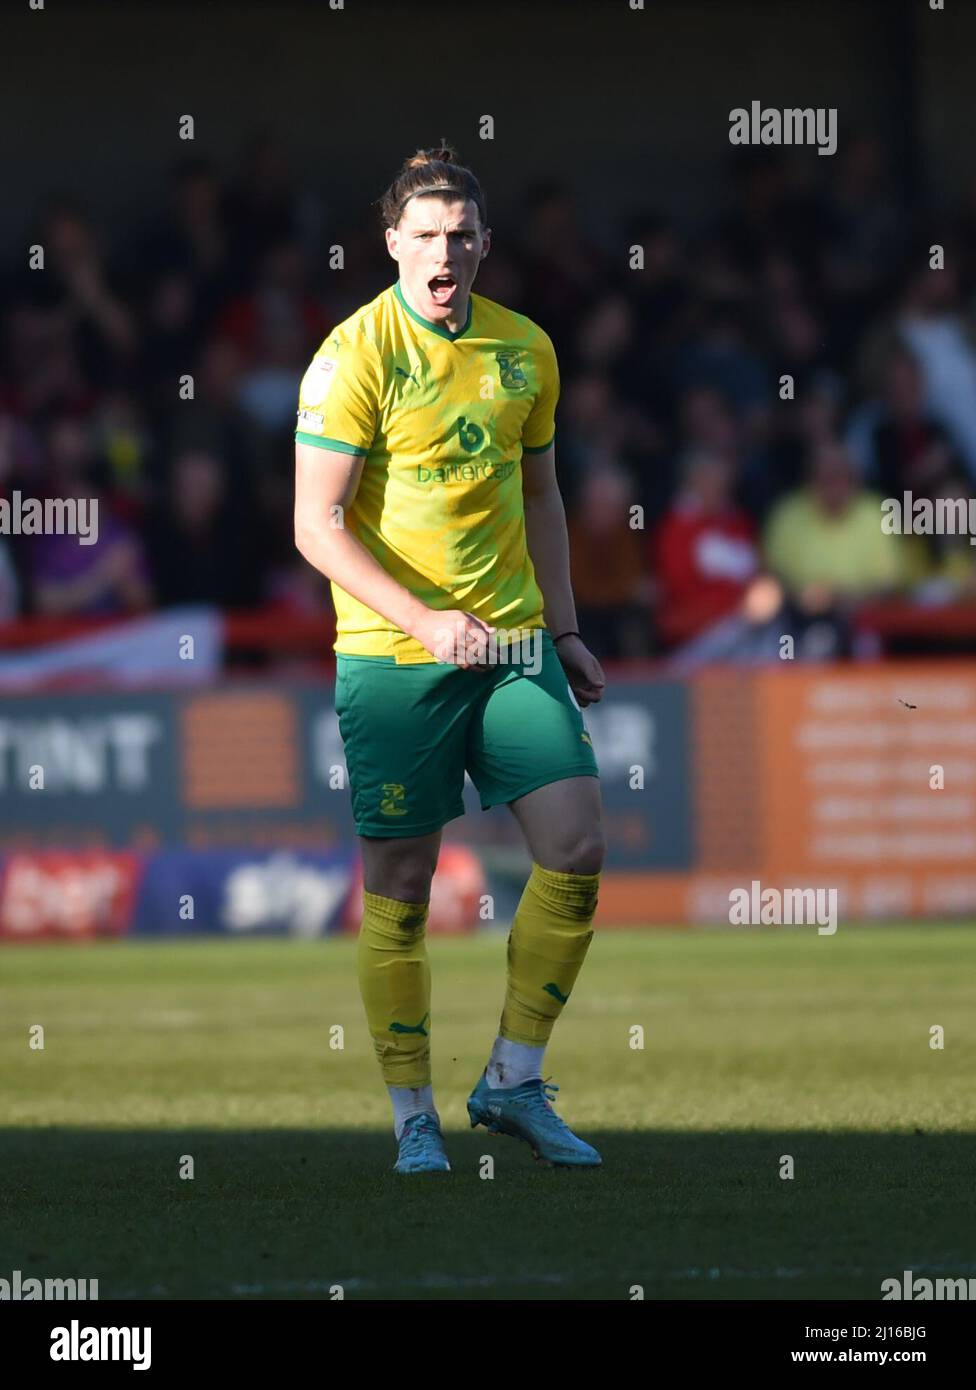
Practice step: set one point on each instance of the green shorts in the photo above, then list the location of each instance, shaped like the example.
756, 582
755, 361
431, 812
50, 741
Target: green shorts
411, 731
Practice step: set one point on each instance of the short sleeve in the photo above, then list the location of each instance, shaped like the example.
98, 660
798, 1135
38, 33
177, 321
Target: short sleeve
338, 400
539, 429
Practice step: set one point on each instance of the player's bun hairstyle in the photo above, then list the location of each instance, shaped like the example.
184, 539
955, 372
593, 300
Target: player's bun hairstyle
431, 171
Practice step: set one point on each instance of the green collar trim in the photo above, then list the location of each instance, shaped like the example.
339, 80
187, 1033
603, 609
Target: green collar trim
435, 327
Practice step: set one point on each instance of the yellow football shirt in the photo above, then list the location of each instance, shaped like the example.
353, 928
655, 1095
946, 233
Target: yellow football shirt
442, 420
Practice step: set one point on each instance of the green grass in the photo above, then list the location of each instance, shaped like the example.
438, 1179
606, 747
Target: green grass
758, 1043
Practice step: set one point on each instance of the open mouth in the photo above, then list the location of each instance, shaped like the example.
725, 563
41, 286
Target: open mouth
442, 288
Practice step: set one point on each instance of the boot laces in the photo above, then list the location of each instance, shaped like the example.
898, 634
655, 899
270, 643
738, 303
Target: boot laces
417, 1129
542, 1099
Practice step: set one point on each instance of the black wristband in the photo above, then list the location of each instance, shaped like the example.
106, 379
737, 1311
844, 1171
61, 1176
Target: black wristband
565, 634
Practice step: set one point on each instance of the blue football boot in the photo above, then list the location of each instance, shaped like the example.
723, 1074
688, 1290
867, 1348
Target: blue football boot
421, 1146
525, 1112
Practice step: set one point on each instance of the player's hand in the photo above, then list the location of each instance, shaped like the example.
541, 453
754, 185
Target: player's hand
457, 638
583, 672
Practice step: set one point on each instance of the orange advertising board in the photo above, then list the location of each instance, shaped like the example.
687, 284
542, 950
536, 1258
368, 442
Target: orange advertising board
859, 779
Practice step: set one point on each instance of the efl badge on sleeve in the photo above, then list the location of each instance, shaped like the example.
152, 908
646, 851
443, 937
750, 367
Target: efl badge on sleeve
317, 380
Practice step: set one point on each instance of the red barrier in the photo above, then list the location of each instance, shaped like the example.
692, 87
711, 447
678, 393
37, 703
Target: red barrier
278, 631
268, 629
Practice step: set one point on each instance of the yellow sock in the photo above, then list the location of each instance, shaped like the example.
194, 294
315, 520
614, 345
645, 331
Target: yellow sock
394, 980
551, 932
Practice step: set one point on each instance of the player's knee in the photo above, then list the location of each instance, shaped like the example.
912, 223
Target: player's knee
580, 853
405, 877
408, 883
590, 852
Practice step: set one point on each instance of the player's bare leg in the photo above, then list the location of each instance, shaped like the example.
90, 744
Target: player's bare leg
562, 825
402, 869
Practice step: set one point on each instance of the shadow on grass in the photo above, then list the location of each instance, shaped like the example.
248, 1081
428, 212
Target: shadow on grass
293, 1213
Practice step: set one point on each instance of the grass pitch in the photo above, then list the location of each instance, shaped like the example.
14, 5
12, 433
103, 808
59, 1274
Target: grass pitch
757, 1044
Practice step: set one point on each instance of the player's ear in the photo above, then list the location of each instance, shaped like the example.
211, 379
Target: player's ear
393, 242
486, 242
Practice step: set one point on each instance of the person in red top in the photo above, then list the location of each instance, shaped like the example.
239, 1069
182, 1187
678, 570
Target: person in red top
703, 552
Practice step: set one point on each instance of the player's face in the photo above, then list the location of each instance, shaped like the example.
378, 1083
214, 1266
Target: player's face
439, 245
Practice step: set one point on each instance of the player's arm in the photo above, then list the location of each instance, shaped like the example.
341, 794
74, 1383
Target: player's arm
326, 482
548, 545
547, 539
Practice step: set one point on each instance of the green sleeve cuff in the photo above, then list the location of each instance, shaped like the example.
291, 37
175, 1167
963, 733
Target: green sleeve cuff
538, 448
321, 442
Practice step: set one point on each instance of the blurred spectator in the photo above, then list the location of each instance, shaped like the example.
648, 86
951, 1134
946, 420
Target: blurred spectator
942, 569
21, 457
770, 211
589, 431
214, 419
563, 268
268, 389
43, 371
703, 552
658, 290
501, 278
606, 333
708, 423
720, 355
279, 300
262, 205
929, 322
825, 541
606, 345
802, 426
894, 439
21, 470
798, 341
74, 294
9, 585
122, 439
867, 233
68, 577
609, 577
204, 547
191, 239
751, 636
172, 332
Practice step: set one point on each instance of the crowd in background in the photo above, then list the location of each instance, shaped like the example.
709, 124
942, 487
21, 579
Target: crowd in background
712, 504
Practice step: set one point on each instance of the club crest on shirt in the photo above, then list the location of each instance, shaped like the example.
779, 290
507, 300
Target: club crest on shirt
510, 369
